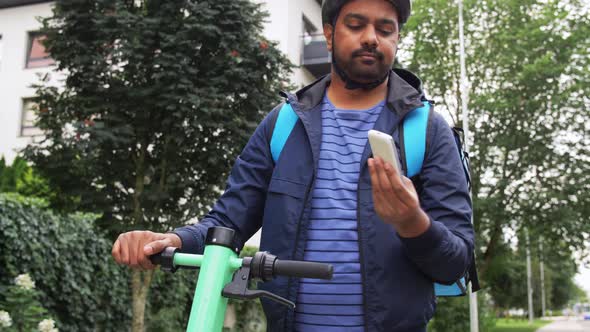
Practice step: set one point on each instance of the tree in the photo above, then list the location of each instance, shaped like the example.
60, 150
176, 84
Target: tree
528, 65
507, 277
159, 98
23, 179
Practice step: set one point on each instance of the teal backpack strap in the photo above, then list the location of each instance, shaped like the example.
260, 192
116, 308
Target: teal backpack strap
414, 138
283, 126
457, 289
414, 141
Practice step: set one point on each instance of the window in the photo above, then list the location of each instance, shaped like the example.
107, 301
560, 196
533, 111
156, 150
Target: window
37, 55
309, 30
28, 119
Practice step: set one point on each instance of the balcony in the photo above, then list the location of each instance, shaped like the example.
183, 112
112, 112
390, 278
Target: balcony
315, 58
16, 3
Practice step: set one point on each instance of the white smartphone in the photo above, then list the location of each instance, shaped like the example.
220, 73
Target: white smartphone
383, 146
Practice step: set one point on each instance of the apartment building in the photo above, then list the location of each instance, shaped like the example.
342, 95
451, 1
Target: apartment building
295, 24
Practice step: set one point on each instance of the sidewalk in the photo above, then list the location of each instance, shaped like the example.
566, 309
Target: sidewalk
567, 325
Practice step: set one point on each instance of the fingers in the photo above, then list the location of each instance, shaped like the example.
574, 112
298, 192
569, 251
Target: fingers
403, 187
394, 197
409, 184
131, 239
376, 179
156, 246
143, 259
375, 183
135, 257
116, 252
386, 184
130, 248
124, 250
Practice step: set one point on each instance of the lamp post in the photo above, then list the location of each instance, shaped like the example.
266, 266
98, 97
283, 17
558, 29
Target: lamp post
542, 272
529, 283
464, 90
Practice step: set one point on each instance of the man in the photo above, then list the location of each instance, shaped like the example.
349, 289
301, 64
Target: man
326, 200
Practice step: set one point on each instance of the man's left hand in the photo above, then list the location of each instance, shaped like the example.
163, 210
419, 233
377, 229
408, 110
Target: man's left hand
396, 200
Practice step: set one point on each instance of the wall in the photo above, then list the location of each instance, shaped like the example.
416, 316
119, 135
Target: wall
15, 79
286, 26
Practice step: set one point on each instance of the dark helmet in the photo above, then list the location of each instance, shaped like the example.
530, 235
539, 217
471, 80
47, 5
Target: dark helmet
331, 9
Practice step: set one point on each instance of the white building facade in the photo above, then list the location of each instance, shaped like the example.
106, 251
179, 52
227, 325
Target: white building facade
292, 23
18, 24
22, 57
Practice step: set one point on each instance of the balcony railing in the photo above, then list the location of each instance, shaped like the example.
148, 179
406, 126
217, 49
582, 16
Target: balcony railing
315, 57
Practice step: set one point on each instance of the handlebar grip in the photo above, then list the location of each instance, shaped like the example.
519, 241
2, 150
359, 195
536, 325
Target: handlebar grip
165, 259
157, 259
299, 269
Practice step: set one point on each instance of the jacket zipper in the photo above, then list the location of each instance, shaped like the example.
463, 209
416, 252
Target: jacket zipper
289, 296
358, 222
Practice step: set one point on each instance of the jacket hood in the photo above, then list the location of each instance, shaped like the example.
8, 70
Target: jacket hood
404, 92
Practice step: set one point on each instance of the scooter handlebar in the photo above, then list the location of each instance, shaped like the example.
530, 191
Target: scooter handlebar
165, 259
263, 265
299, 269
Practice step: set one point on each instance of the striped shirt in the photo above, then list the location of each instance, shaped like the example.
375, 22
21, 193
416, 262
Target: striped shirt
332, 236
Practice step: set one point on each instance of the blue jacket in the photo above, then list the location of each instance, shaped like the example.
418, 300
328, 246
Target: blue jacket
398, 273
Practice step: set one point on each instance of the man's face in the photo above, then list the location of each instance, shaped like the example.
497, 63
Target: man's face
365, 39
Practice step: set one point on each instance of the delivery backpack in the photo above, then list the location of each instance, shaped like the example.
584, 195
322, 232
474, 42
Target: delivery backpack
413, 130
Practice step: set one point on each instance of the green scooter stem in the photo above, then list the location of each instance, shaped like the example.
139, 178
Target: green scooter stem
219, 281
218, 265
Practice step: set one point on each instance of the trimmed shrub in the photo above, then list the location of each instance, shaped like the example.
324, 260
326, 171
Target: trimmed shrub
452, 314
78, 281
70, 262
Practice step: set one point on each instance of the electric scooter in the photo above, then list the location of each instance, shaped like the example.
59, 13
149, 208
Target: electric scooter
224, 275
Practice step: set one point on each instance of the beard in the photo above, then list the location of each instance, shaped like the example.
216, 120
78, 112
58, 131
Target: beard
363, 70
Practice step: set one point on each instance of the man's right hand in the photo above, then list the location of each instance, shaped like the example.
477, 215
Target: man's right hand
134, 248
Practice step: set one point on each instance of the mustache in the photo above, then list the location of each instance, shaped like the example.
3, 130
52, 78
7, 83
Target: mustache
372, 51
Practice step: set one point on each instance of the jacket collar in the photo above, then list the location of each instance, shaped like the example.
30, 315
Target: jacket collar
404, 94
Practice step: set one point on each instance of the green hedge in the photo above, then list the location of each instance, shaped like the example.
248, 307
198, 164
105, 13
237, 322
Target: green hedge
70, 263
452, 314
79, 283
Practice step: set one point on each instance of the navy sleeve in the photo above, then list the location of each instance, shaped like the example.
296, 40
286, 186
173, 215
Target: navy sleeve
241, 206
444, 251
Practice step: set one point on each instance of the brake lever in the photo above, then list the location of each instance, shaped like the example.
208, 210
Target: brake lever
238, 289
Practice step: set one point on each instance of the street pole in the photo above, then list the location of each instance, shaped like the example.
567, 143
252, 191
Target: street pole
529, 282
464, 90
542, 277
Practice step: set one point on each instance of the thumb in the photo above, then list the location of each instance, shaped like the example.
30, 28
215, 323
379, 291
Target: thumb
407, 182
154, 247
